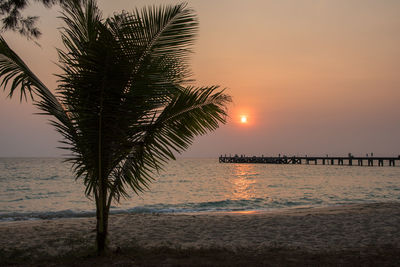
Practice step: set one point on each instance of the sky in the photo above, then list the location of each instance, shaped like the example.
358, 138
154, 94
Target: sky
313, 77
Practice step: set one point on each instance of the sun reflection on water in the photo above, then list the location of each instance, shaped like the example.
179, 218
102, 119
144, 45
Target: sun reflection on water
246, 212
243, 181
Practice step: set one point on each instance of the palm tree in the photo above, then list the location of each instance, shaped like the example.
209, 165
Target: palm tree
121, 105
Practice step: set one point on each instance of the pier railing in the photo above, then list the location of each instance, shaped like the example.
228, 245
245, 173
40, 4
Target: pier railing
349, 160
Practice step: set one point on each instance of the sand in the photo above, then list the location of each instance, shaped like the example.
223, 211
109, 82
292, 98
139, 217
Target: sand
313, 229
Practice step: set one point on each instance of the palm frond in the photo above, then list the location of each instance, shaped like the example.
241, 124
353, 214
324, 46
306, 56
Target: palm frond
163, 34
13, 68
191, 112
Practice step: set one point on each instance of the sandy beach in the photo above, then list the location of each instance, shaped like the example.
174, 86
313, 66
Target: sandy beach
312, 229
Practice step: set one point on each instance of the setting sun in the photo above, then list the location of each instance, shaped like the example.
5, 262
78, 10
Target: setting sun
243, 119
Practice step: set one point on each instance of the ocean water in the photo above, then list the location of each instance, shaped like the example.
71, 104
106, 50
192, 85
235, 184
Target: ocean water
41, 188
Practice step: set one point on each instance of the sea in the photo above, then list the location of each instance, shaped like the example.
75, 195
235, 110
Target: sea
46, 188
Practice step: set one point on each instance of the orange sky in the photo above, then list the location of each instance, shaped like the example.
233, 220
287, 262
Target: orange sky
313, 77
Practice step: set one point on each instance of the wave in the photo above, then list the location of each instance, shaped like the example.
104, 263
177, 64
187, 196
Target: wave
255, 204
23, 216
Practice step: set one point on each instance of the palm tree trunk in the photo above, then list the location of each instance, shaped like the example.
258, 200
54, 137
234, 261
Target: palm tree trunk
101, 200
102, 212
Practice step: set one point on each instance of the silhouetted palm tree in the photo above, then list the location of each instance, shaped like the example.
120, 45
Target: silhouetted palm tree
121, 104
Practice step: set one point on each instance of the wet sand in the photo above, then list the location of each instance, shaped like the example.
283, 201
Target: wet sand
319, 229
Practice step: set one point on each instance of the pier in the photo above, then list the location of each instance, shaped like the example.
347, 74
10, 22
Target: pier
350, 160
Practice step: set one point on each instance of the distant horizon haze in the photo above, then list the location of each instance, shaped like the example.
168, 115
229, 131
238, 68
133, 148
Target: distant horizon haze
312, 78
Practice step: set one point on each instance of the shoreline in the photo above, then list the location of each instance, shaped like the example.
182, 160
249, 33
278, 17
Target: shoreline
59, 215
